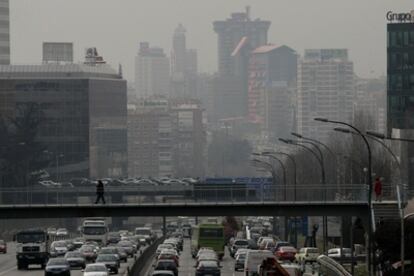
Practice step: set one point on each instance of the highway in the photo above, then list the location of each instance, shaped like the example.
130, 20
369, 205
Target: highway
8, 266
187, 263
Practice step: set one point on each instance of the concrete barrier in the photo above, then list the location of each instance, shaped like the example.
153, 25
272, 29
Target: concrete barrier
146, 256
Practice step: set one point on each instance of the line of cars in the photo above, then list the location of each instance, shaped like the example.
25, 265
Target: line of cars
167, 256
89, 256
249, 255
207, 262
84, 182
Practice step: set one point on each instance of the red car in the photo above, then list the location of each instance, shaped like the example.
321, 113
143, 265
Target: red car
286, 253
3, 247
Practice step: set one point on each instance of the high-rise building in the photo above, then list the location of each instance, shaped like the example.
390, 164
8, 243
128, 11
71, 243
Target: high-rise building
237, 37
82, 118
272, 74
227, 98
325, 88
152, 71
400, 71
166, 138
191, 138
179, 51
184, 71
151, 139
400, 91
231, 31
370, 102
56, 52
4, 32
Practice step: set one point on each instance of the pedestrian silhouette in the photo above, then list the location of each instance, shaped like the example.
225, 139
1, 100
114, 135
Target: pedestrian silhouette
100, 190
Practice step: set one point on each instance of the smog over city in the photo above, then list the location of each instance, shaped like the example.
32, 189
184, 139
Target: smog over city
206, 138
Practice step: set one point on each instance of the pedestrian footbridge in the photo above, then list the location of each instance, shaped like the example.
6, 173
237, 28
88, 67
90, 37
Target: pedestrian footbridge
309, 200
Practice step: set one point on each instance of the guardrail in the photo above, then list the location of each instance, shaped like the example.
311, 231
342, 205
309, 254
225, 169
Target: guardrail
142, 262
81, 196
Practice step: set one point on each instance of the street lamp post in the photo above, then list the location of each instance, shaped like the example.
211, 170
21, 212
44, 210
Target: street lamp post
370, 236
381, 137
323, 178
316, 144
281, 165
269, 167
292, 159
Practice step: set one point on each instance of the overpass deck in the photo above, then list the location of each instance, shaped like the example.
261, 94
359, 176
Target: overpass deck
328, 200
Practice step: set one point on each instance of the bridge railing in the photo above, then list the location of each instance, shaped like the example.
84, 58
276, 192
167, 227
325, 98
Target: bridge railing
197, 194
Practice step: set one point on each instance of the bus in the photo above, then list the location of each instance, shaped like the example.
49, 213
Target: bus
208, 235
95, 229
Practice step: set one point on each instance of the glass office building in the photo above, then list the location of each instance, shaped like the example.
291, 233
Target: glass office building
400, 69
84, 112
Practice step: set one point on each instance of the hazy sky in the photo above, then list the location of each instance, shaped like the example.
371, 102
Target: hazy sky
116, 27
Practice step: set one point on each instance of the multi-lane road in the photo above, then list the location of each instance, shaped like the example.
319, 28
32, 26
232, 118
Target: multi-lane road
8, 266
187, 263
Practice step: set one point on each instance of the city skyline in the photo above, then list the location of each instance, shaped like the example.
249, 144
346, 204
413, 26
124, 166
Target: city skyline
358, 27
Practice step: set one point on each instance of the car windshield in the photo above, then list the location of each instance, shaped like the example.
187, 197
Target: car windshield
125, 243
59, 244
106, 258
108, 250
87, 248
314, 250
95, 268
30, 237
211, 232
208, 264
165, 263
57, 262
94, 230
241, 242
145, 232
73, 255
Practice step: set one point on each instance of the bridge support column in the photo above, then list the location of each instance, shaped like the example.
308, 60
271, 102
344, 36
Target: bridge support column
274, 226
286, 228
164, 226
325, 233
346, 227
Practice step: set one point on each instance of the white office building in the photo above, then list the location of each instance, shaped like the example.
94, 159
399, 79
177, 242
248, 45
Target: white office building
152, 72
325, 89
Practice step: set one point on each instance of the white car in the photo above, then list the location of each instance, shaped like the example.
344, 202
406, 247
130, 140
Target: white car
96, 269
335, 253
62, 232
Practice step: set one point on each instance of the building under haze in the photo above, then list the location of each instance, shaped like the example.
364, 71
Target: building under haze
83, 115
4, 32
272, 84
184, 67
325, 88
370, 103
166, 138
57, 52
152, 71
151, 139
237, 36
231, 31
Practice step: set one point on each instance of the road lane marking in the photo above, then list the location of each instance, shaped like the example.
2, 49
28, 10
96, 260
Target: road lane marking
7, 271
